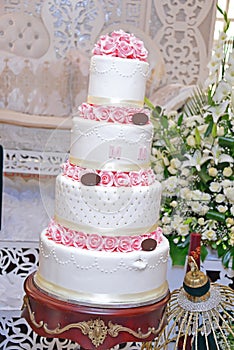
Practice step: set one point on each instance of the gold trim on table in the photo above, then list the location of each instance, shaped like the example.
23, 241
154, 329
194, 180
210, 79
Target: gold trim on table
96, 329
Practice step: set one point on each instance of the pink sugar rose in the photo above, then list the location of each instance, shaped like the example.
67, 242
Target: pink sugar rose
125, 50
65, 167
54, 231
107, 45
135, 178
70, 170
139, 49
121, 179
94, 241
86, 111
136, 243
67, 237
76, 173
110, 243
116, 34
158, 235
144, 177
119, 115
80, 239
107, 178
120, 44
102, 113
124, 244
151, 176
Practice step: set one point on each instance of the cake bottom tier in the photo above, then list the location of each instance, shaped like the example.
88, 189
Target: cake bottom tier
99, 278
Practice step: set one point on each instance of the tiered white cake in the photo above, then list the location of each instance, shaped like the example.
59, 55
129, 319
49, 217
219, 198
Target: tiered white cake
103, 246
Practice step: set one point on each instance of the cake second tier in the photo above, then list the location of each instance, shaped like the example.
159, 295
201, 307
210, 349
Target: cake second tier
124, 210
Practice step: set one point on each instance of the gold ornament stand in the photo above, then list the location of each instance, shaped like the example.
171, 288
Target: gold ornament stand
91, 327
200, 316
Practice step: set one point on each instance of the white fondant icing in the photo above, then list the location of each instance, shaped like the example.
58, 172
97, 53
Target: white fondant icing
110, 145
116, 210
115, 80
100, 277
97, 277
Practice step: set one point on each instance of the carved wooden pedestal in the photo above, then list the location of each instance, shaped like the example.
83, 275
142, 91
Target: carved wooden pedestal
91, 327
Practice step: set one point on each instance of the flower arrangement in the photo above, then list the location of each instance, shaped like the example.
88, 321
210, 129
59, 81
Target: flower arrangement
121, 44
193, 158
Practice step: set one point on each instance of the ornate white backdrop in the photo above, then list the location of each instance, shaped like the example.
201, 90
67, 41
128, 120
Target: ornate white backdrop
34, 127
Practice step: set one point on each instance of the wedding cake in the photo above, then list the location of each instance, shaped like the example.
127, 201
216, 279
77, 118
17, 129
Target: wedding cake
103, 246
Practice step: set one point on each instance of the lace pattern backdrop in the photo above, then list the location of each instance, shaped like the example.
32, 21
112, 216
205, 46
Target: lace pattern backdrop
44, 60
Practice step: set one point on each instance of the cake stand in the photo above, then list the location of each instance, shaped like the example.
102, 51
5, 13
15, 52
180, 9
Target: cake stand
91, 327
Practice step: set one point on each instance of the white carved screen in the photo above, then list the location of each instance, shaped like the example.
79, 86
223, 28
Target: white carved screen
178, 36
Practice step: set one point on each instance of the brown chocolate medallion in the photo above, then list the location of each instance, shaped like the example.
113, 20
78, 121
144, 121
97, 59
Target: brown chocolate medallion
148, 244
90, 179
140, 119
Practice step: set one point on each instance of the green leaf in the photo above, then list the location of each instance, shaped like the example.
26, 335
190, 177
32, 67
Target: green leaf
220, 250
148, 103
197, 137
226, 141
204, 175
209, 129
214, 130
178, 255
157, 111
204, 252
215, 215
226, 258
180, 119
164, 122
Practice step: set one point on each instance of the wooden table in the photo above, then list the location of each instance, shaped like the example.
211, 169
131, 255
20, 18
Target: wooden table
91, 327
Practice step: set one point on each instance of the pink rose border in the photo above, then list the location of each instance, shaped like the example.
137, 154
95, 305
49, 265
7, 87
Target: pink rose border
123, 244
144, 177
121, 44
110, 114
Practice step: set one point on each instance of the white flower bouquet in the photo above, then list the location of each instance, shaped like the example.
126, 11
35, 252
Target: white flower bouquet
193, 158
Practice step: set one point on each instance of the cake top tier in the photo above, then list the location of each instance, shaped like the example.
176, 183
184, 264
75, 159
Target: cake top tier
121, 44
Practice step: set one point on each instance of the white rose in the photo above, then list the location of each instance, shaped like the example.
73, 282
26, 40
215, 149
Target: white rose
215, 187
173, 204
227, 172
210, 235
185, 172
230, 221
197, 195
232, 210
185, 193
204, 209
201, 221
222, 208
227, 183
220, 131
177, 221
212, 172
175, 163
170, 184
191, 141
166, 220
183, 230
167, 230
196, 206
220, 198
206, 197
229, 193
